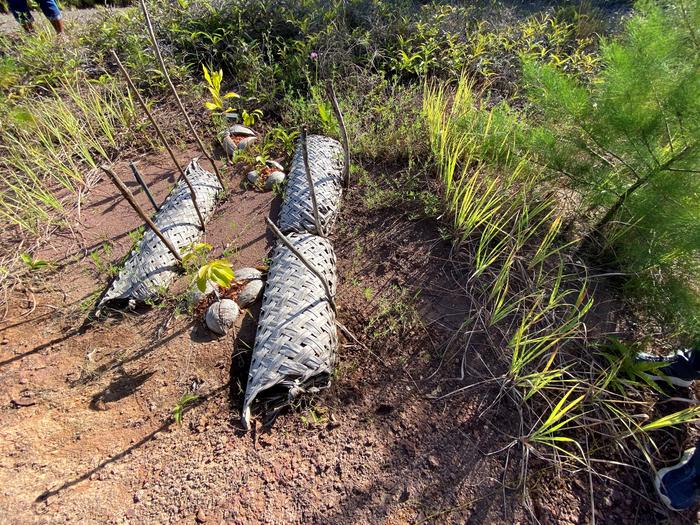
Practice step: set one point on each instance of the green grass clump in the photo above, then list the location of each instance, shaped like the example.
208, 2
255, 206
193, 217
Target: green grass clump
52, 145
526, 298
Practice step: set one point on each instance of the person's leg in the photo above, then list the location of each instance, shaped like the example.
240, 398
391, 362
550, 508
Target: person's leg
20, 10
53, 13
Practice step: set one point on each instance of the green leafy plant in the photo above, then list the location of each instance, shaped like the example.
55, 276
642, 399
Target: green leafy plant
32, 263
195, 255
285, 139
182, 403
136, 236
250, 118
101, 265
218, 272
218, 100
626, 370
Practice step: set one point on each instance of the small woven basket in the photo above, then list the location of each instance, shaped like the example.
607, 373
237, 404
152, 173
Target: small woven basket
151, 267
296, 339
326, 167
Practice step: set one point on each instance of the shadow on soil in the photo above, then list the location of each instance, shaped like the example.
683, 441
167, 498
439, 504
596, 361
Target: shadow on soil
203, 398
122, 386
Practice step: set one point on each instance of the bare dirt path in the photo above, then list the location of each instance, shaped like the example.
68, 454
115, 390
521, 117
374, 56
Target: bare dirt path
9, 25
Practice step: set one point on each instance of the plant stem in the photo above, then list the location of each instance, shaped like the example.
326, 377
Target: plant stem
130, 198
310, 181
343, 133
622, 199
143, 184
152, 35
143, 105
304, 261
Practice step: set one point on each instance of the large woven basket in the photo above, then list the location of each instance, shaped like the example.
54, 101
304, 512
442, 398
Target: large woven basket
151, 267
326, 167
296, 339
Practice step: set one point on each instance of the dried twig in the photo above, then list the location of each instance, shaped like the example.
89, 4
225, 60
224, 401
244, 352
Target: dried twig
156, 47
304, 261
343, 133
143, 184
310, 181
143, 105
130, 198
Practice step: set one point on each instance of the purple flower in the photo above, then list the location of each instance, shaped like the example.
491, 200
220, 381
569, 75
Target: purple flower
313, 55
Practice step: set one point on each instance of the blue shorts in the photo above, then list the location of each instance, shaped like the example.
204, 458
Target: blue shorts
20, 10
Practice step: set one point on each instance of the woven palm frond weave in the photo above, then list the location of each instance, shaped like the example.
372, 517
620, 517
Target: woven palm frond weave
151, 267
326, 167
296, 339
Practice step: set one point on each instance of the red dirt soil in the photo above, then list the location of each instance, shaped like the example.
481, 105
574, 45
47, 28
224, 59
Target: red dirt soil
87, 435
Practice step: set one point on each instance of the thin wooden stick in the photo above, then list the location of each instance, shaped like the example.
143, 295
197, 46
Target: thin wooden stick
310, 181
343, 133
160, 134
143, 184
347, 333
152, 35
130, 198
304, 261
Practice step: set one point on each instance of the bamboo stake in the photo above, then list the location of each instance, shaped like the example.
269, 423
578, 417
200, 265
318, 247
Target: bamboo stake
143, 184
310, 181
343, 133
160, 134
305, 262
152, 35
130, 198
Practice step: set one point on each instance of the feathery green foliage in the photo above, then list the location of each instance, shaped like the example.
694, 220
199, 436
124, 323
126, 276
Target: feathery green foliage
629, 144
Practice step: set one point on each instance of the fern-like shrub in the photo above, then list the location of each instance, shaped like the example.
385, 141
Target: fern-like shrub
628, 143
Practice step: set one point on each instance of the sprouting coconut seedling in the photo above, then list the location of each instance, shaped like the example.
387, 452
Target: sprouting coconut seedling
218, 272
195, 255
250, 118
32, 263
182, 403
217, 103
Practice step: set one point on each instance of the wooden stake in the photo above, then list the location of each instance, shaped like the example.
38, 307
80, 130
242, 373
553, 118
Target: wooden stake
310, 181
343, 133
130, 198
305, 262
143, 184
161, 136
152, 35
